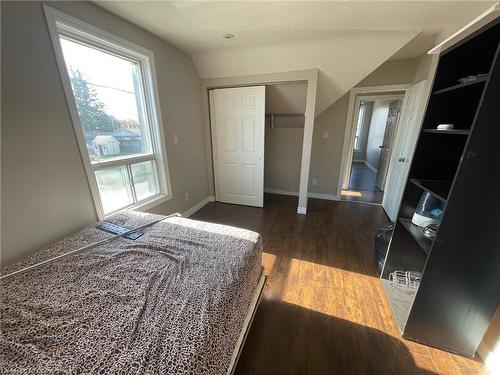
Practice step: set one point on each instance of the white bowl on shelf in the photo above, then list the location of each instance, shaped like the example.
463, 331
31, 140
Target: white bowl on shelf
445, 127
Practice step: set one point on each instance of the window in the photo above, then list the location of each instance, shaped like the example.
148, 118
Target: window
112, 96
359, 127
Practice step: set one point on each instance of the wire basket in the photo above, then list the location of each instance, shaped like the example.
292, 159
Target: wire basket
406, 281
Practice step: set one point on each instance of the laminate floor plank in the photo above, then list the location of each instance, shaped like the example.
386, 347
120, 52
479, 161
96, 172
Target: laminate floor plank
323, 309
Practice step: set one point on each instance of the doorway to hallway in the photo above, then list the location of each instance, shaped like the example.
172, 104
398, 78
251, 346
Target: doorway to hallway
377, 118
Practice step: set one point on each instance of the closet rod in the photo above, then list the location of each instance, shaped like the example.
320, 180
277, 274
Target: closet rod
284, 115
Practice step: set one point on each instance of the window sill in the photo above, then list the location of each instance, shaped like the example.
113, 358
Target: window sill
145, 205
153, 202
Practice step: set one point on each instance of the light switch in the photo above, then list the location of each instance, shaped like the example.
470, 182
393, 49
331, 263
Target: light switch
325, 134
176, 138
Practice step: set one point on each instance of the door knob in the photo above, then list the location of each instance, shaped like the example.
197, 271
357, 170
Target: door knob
401, 160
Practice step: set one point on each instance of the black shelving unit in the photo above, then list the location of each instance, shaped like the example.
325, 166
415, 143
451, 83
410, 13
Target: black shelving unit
461, 85
458, 293
439, 189
451, 131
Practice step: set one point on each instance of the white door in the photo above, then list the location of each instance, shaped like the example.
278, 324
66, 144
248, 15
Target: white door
387, 144
238, 127
407, 133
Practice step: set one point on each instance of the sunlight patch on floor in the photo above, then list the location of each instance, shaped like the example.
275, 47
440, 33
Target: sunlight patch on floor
332, 291
268, 261
351, 193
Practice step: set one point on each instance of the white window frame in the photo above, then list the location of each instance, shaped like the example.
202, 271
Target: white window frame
358, 136
61, 23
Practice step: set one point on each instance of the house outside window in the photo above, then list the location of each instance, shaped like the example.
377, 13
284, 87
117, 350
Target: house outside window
112, 93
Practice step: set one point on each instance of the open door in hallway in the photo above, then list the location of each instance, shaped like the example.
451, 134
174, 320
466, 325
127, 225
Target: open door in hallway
404, 145
386, 146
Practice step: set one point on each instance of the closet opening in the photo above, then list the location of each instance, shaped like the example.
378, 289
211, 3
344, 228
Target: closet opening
284, 133
257, 140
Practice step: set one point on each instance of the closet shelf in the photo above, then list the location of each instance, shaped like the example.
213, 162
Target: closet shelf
418, 234
439, 189
273, 116
448, 131
284, 115
461, 85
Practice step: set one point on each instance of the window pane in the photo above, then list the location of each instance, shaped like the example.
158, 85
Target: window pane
114, 188
359, 127
145, 179
108, 99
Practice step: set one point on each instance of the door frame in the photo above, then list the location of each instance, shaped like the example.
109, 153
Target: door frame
303, 76
368, 98
355, 94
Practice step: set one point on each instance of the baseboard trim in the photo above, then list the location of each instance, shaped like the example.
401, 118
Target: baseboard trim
329, 197
370, 167
198, 205
302, 210
281, 192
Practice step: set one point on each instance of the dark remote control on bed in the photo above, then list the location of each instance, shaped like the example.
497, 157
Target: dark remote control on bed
118, 229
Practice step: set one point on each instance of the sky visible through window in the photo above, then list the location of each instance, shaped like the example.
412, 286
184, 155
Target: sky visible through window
110, 76
105, 96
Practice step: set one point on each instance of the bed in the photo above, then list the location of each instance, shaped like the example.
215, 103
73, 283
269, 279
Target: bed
178, 300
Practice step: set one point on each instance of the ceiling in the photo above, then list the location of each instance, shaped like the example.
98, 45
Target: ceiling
345, 40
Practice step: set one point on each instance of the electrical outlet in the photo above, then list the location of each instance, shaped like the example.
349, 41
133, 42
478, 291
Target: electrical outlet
325, 134
315, 181
176, 138
186, 196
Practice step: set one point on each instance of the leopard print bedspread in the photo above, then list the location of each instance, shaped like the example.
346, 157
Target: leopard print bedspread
171, 302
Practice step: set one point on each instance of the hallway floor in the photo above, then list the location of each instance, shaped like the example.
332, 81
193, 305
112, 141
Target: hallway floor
323, 309
362, 185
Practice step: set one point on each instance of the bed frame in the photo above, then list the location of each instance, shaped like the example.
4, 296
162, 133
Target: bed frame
254, 304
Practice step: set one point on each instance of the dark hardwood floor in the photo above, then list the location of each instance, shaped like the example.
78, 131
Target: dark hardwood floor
362, 185
323, 309
362, 177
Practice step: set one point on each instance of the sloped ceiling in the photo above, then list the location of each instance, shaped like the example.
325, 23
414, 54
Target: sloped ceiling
288, 98
346, 40
343, 60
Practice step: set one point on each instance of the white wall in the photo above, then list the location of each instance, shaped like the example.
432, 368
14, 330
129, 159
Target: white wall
376, 133
45, 193
283, 154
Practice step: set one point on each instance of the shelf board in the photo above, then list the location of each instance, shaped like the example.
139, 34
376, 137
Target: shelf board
418, 234
440, 189
461, 85
448, 131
